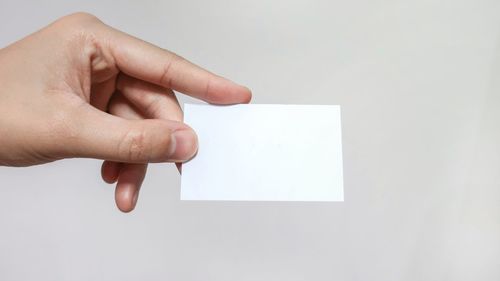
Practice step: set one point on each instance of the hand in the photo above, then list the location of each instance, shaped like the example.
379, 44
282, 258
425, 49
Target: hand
79, 88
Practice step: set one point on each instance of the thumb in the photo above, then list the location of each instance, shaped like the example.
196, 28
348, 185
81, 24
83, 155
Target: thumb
104, 136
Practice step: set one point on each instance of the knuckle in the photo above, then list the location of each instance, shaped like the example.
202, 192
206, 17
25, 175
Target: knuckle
125, 82
121, 82
164, 146
153, 107
210, 95
136, 146
166, 78
80, 18
86, 34
79, 25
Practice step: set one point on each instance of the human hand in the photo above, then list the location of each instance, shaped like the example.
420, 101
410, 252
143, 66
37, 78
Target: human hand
79, 88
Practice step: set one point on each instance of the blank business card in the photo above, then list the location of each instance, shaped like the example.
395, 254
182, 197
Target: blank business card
264, 152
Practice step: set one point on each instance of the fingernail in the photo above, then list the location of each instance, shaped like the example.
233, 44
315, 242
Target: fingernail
185, 144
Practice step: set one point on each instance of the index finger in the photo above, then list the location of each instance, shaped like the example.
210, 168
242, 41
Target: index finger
148, 62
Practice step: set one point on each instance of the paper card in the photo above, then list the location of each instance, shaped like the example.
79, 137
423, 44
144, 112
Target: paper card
264, 152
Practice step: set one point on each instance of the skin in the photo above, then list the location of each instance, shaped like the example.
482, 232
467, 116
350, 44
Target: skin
79, 88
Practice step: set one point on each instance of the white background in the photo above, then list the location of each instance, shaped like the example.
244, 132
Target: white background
419, 86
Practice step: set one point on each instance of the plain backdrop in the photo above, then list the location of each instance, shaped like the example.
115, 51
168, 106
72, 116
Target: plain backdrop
419, 86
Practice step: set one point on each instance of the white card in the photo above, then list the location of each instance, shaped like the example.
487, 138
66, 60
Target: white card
264, 152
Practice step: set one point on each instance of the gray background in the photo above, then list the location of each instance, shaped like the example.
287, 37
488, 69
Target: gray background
419, 86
